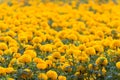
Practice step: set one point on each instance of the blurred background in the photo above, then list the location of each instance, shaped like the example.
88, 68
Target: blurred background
56, 1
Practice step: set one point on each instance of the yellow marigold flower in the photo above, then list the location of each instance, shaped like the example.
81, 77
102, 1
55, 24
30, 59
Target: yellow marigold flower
100, 34
32, 53
37, 40
25, 58
52, 75
56, 55
73, 4
1, 52
90, 51
44, 25
49, 37
66, 67
42, 65
8, 51
35, 46
58, 44
13, 44
72, 37
118, 65
56, 40
84, 58
2, 38
70, 51
8, 38
62, 78
54, 24
98, 48
118, 52
9, 70
29, 47
42, 76
77, 53
62, 59
3, 26
46, 48
38, 33
16, 55
22, 37
102, 61
115, 44
50, 57
11, 33
2, 71
84, 39
14, 49
3, 46
63, 48
82, 47
43, 38
38, 60
29, 35
49, 63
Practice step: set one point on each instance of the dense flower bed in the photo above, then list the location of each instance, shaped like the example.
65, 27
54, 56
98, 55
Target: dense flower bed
59, 41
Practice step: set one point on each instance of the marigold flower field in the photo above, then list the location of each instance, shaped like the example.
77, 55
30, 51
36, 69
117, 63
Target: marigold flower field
59, 40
